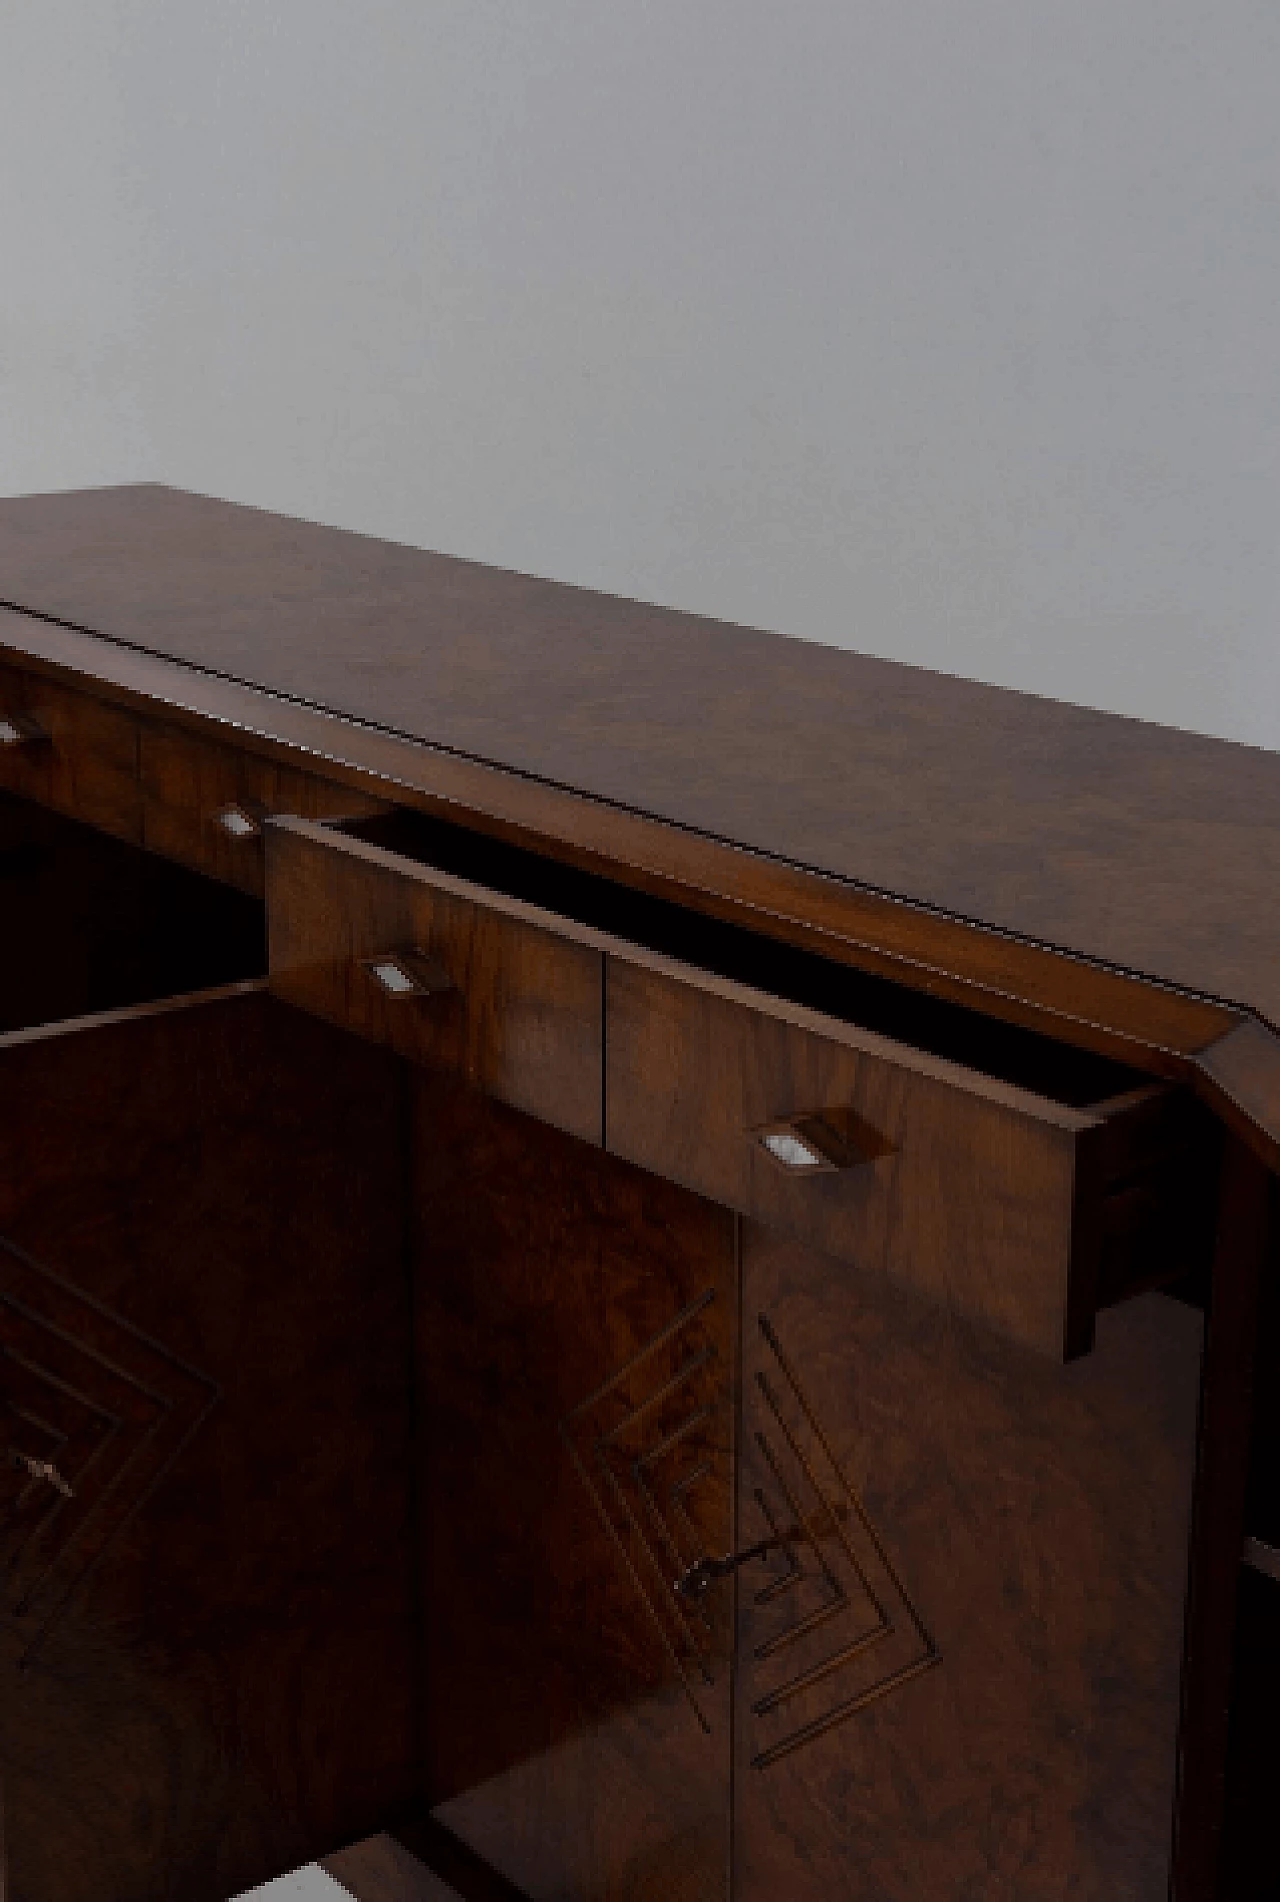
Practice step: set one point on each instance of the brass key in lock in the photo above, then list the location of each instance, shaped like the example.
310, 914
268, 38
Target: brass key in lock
703, 1573
42, 1469
695, 1582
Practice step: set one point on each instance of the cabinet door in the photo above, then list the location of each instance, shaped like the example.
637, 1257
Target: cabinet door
206, 1636
574, 1337
958, 1673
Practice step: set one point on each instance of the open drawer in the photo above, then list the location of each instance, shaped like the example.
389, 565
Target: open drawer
439, 969
1016, 1180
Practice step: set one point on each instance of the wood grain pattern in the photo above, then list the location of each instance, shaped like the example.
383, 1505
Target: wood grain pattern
1010, 977
465, 1875
524, 1019
91, 923
1035, 1756
382, 1870
206, 1208
1004, 972
88, 768
153, 783
1239, 1078
1147, 848
187, 781
574, 1354
984, 1205
973, 1202
1107, 880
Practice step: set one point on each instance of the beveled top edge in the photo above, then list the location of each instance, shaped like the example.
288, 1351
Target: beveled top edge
924, 945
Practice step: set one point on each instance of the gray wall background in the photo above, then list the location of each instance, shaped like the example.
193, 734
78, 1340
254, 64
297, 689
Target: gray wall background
943, 329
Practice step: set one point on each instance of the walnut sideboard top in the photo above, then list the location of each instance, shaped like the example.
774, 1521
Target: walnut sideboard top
1114, 883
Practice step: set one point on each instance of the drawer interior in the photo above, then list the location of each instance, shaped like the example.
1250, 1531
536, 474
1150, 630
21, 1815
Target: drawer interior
92, 923
1063, 1073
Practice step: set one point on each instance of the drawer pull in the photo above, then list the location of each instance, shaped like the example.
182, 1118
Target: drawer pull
408, 974
238, 822
1263, 1558
820, 1141
19, 729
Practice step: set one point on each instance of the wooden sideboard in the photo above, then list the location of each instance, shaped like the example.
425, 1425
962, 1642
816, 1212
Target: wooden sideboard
639, 1254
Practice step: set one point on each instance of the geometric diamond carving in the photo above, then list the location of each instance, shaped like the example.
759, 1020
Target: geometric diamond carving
834, 1628
94, 1413
651, 1447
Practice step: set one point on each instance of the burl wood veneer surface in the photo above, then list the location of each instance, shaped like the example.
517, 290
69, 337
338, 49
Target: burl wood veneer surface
381, 1870
573, 1350
1155, 849
205, 1652
967, 1690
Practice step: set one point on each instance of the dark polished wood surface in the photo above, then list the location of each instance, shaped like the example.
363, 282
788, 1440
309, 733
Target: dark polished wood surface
974, 1193
1225, 1643
521, 1017
1251, 1869
974, 1187
970, 1686
1141, 845
1000, 972
502, 1383
91, 924
154, 784
382, 1870
207, 1647
574, 1358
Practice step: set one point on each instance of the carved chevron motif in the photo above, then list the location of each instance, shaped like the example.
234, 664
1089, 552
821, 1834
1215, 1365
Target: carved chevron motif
649, 1446
95, 1413
835, 1628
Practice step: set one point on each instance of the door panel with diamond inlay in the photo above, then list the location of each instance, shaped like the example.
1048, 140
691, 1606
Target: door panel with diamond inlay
954, 1644
96, 1413
958, 1670
575, 1322
205, 1619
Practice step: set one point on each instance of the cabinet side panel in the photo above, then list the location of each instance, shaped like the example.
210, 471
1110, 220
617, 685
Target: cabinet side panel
962, 1679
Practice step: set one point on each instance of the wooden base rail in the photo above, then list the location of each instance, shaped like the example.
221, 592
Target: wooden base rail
383, 1870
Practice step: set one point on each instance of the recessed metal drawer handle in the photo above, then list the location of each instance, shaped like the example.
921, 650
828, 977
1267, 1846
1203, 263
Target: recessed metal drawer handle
413, 973
20, 729
819, 1141
238, 821
1263, 1558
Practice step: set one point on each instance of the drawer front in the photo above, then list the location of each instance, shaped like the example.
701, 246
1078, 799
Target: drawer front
75, 753
200, 801
971, 1199
204, 802
521, 1018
